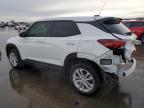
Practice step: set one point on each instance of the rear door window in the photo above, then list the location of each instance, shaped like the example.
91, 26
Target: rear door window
64, 29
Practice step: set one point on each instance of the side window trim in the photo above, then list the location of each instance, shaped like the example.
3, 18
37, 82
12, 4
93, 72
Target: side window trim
50, 28
50, 31
77, 27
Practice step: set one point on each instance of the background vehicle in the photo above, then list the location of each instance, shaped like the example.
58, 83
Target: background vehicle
136, 27
20, 27
11, 24
2, 24
86, 47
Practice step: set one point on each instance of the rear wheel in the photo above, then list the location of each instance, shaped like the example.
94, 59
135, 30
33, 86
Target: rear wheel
142, 39
84, 78
15, 59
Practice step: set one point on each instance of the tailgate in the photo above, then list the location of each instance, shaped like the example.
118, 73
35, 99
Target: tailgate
129, 48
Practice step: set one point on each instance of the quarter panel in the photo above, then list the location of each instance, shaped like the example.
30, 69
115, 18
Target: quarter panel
88, 44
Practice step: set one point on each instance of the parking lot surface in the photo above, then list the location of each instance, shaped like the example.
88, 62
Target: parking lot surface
47, 87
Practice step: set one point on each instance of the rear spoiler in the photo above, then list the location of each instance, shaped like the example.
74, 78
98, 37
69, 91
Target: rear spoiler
108, 20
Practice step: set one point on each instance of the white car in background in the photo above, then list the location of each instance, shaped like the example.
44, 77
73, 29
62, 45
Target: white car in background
20, 27
88, 48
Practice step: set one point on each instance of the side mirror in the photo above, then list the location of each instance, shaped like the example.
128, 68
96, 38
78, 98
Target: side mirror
23, 34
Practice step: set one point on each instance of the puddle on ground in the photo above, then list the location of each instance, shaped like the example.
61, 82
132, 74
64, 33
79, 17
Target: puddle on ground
50, 90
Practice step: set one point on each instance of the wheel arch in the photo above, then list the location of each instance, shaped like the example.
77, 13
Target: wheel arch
72, 59
10, 46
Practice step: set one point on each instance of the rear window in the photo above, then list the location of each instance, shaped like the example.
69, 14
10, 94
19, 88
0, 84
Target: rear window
118, 29
114, 25
128, 24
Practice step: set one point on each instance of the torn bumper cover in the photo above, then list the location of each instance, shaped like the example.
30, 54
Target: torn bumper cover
128, 68
117, 66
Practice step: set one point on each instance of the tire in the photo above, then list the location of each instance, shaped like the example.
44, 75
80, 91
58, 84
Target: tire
142, 39
15, 59
84, 84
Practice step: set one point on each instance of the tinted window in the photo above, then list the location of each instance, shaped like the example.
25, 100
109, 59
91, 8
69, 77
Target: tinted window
39, 29
117, 28
64, 29
128, 24
137, 24
114, 25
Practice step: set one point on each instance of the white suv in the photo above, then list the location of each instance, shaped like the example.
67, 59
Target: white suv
86, 47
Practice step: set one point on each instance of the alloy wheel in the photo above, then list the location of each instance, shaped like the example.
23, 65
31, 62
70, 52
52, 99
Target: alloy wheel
13, 59
83, 80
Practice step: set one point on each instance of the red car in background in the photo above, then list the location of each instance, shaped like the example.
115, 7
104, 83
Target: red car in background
136, 27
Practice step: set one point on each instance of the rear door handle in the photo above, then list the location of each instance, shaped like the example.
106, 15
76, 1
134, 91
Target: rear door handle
38, 41
70, 43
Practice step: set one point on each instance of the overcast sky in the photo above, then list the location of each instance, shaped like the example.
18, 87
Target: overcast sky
31, 10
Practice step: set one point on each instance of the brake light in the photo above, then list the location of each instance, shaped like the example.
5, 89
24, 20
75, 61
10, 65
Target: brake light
112, 43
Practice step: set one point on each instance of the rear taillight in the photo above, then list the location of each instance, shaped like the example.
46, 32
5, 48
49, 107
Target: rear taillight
112, 43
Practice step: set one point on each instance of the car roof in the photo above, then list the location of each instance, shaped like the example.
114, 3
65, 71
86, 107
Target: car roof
77, 19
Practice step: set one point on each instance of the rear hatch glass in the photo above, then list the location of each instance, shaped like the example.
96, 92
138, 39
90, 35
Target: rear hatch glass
115, 26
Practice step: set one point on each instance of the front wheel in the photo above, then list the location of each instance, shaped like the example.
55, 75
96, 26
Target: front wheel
84, 78
15, 59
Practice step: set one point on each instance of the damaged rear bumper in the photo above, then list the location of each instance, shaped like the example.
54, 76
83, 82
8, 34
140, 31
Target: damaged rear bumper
128, 68
115, 64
